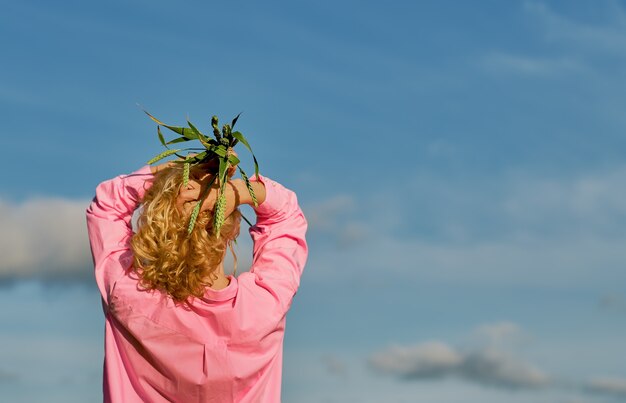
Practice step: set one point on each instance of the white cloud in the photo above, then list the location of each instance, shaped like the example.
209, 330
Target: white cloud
13, 95
591, 203
334, 217
432, 359
489, 365
572, 46
313, 383
609, 36
501, 62
523, 229
323, 215
6, 376
44, 237
545, 263
435, 359
499, 333
47, 237
334, 365
608, 386
613, 301
498, 368
516, 205
576, 400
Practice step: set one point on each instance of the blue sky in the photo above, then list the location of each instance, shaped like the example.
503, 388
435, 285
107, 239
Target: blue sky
461, 165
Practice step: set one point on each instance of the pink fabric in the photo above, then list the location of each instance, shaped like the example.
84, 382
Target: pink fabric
227, 347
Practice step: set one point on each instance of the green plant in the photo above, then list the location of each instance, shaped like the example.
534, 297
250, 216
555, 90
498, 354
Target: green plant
220, 149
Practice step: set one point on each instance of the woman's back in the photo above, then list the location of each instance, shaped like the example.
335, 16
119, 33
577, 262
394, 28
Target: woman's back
224, 346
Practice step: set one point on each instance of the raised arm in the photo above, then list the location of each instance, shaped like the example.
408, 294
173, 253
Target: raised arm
109, 224
280, 249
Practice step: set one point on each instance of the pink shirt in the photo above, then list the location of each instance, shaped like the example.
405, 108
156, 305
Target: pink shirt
227, 346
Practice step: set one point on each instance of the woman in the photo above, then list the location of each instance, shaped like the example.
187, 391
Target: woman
177, 327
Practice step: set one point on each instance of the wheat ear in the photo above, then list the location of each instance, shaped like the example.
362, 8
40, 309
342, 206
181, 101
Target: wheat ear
220, 211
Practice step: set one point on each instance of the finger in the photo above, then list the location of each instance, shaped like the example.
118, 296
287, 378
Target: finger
188, 194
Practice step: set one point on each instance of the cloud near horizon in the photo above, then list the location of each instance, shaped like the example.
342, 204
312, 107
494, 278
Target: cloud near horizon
44, 238
489, 364
512, 228
611, 386
437, 360
486, 363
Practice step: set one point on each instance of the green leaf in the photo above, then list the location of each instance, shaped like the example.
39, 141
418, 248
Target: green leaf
203, 139
153, 118
161, 138
178, 140
241, 138
233, 160
222, 172
246, 220
232, 124
183, 131
164, 154
192, 159
219, 150
195, 129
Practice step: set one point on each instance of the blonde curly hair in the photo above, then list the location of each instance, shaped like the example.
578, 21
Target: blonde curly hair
166, 257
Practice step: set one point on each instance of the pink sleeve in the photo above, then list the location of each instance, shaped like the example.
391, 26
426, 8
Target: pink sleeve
109, 225
280, 249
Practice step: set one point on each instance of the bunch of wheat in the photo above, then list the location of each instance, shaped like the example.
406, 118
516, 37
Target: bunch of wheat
219, 148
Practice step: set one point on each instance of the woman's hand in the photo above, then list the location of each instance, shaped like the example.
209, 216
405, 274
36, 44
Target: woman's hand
199, 178
189, 195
